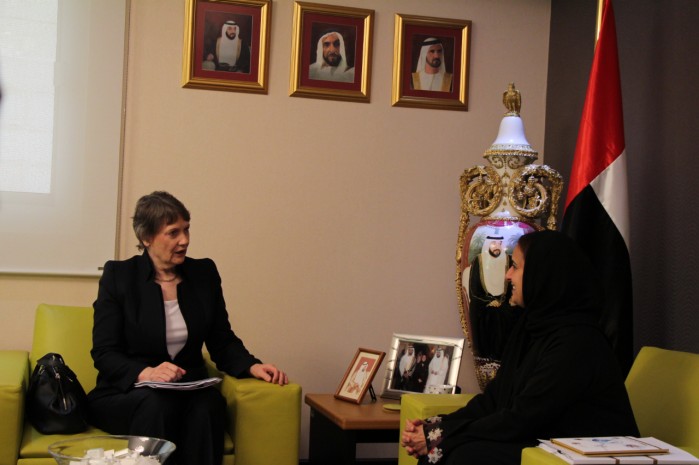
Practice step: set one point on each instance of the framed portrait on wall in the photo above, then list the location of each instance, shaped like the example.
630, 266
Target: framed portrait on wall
359, 375
422, 364
226, 45
431, 62
331, 52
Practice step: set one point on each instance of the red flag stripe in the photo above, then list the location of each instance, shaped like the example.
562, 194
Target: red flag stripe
601, 134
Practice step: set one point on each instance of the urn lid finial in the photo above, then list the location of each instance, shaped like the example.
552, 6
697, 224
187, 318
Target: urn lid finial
512, 100
511, 139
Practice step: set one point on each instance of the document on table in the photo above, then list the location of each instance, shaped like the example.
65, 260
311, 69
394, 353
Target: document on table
186, 386
610, 445
675, 455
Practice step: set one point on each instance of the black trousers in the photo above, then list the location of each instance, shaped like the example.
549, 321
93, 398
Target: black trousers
193, 420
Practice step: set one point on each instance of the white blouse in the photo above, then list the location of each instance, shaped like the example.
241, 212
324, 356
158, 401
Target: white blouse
175, 328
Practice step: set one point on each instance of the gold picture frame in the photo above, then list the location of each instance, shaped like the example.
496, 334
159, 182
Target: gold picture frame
359, 375
450, 83
315, 77
207, 53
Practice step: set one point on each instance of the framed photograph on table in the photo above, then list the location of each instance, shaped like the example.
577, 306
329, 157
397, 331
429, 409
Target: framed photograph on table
226, 45
331, 52
359, 375
422, 364
431, 62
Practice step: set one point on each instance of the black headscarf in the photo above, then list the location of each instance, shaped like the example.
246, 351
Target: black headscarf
559, 289
559, 286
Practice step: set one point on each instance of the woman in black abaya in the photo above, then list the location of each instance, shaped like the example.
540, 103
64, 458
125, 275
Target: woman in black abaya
558, 378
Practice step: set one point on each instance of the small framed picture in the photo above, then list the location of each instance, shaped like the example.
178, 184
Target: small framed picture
226, 45
331, 52
359, 375
431, 62
422, 364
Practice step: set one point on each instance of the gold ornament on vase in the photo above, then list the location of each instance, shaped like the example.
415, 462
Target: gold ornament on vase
510, 196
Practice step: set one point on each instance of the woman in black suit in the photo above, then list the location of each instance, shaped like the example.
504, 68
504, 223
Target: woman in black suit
152, 315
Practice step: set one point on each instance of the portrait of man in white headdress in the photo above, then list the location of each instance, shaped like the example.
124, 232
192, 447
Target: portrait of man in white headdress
488, 292
230, 52
358, 379
406, 366
438, 369
430, 71
331, 60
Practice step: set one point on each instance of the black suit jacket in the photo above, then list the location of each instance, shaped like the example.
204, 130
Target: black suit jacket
129, 323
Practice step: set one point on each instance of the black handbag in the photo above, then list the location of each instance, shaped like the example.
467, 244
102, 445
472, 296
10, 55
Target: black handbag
56, 402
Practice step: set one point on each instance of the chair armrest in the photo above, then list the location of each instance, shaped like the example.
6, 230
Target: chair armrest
424, 406
14, 380
263, 419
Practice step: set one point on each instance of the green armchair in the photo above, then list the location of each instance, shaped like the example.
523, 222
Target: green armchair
662, 386
264, 420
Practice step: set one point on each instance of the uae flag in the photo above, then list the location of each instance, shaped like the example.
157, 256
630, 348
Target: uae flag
596, 207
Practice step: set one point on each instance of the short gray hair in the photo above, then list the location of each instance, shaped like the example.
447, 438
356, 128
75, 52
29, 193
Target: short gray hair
155, 210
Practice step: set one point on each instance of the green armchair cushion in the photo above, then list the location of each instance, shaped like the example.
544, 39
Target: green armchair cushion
260, 415
663, 386
67, 331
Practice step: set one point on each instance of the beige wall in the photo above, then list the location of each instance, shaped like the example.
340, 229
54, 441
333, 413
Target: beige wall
333, 224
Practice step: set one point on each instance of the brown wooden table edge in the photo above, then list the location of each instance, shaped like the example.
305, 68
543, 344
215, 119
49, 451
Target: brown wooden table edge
350, 416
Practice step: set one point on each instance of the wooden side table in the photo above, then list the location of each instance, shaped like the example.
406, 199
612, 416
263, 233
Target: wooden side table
338, 426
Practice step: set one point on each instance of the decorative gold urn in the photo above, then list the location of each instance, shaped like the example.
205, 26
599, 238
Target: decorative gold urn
511, 196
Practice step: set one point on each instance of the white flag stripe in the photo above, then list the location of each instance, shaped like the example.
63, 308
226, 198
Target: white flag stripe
612, 191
